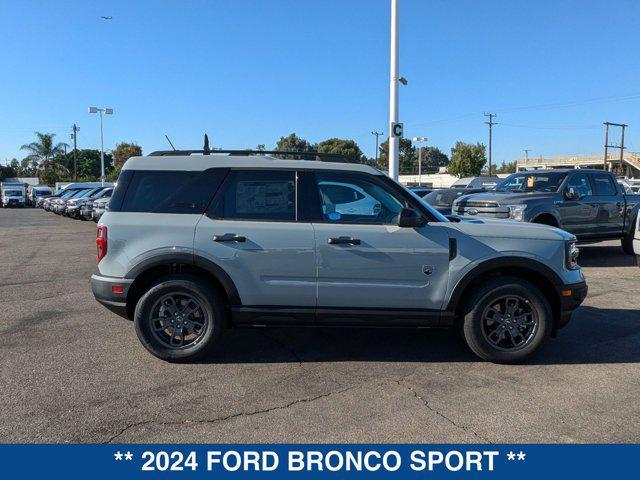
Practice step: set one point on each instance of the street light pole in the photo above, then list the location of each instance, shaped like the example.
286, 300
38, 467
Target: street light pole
419, 140
101, 111
394, 146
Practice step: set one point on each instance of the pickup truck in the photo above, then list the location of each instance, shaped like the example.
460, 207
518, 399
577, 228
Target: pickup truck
588, 203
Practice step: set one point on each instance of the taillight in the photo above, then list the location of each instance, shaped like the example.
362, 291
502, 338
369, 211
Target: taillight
101, 242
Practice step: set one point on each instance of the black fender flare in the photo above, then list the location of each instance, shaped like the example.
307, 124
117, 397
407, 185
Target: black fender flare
167, 258
500, 262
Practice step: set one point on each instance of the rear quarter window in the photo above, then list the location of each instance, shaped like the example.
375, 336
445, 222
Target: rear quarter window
165, 191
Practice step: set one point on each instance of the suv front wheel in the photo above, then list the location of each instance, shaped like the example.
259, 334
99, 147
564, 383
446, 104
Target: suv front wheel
506, 320
179, 319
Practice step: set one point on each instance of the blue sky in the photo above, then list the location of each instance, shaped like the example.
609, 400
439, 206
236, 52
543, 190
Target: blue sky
248, 71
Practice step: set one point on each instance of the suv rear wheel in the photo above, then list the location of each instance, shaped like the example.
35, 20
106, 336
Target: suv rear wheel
507, 320
179, 319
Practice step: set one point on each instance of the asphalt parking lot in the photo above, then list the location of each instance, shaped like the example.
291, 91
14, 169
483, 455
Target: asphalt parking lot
71, 371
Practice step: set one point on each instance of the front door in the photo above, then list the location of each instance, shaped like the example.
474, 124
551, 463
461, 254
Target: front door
364, 259
578, 215
252, 232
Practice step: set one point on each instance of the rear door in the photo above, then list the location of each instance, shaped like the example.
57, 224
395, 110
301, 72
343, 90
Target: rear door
610, 205
579, 216
254, 232
365, 261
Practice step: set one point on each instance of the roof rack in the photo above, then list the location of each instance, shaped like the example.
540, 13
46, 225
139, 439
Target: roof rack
319, 156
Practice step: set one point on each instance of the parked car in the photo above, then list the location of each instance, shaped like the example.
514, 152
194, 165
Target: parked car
36, 192
58, 204
421, 191
74, 206
486, 183
192, 245
443, 198
587, 203
99, 207
12, 194
87, 209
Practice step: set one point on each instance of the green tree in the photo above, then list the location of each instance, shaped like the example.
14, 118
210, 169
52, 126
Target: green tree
9, 170
41, 153
508, 167
348, 149
293, 143
408, 156
89, 164
432, 159
467, 160
123, 152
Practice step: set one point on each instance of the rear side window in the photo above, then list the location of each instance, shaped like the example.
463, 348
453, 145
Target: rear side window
603, 184
165, 191
257, 195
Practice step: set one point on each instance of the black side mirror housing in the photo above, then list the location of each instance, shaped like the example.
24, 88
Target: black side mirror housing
409, 218
571, 194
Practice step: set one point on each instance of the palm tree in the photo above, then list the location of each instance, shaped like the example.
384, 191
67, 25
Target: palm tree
43, 151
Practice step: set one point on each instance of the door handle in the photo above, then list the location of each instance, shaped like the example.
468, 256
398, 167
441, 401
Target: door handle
229, 237
343, 241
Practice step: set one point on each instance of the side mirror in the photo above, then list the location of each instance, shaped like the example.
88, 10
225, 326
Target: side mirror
409, 218
571, 194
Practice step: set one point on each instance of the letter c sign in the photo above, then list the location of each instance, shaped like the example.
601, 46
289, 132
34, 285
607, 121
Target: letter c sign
397, 129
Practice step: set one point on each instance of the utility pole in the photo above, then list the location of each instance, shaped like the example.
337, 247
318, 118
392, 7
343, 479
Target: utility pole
526, 155
394, 141
622, 126
74, 136
491, 123
377, 134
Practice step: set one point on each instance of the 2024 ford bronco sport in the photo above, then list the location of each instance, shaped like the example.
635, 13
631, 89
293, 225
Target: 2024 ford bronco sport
194, 244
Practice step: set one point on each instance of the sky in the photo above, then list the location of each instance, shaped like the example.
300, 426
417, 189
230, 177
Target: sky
248, 72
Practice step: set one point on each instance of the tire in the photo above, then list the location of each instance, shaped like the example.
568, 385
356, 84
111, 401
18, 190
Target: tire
627, 240
480, 334
163, 343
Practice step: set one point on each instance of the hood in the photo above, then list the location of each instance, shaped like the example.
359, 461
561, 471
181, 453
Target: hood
489, 227
504, 197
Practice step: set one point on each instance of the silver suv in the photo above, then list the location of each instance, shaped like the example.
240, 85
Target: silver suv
194, 244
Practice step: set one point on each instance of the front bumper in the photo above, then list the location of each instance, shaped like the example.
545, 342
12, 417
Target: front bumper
571, 297
103, 291
86, 212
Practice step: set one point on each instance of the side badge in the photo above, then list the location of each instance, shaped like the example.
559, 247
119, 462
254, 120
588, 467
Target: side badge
428, 269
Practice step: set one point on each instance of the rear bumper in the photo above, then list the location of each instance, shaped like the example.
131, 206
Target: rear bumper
103, 291
571, 297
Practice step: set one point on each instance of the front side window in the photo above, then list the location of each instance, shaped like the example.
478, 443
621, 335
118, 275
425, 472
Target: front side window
580, 184
349, 198
603, 185
258, 195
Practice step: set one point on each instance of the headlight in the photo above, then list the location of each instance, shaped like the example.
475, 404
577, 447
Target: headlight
516, 212
571, 253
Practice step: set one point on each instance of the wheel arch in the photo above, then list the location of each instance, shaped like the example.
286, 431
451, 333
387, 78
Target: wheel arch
145, 272
547, 215
530, 270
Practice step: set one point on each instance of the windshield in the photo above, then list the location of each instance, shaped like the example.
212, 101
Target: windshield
76, 194
532, 182
443, 198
